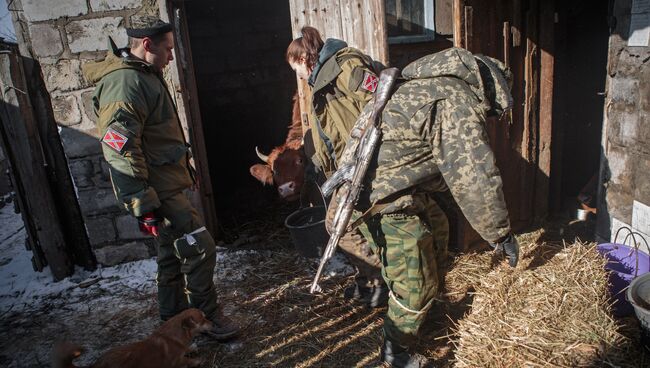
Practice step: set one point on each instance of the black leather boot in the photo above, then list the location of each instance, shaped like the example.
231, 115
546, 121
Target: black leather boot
223, 328
378, 297
372, 296
399, 357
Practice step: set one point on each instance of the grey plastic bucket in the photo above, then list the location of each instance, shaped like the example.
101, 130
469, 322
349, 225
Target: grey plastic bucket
307, 229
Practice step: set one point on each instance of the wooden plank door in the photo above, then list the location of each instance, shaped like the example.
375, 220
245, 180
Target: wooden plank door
519, 33
20, 135
189, 109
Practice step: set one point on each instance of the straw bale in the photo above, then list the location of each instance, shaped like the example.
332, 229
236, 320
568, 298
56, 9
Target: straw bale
551, 311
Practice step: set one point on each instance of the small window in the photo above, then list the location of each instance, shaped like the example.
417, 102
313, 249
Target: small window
410, 21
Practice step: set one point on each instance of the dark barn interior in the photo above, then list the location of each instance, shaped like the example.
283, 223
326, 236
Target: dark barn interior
245, 89
581, 59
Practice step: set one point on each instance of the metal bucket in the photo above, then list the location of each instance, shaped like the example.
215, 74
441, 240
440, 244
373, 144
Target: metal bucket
307, 229
639, 295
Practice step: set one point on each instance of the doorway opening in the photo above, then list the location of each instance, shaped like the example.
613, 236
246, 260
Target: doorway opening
244, 88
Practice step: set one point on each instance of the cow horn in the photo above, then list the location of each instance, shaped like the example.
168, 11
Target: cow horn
262, 156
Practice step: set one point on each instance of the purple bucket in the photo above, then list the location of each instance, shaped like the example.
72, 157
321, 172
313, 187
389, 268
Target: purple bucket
624, 263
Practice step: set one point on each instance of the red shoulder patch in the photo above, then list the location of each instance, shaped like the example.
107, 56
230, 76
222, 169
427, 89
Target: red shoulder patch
115, 140
370, 82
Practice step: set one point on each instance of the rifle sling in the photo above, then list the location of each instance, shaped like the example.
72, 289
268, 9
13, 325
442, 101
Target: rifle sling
370, 212
379, 206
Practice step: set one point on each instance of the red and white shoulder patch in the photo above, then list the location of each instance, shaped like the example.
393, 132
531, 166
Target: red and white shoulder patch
115, 140
370, 82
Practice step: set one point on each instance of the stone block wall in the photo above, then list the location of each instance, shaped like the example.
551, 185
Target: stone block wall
625, 165
62, 38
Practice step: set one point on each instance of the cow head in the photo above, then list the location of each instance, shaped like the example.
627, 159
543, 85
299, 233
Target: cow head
284, 167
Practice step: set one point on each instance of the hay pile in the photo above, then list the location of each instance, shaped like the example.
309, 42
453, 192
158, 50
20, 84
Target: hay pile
551, 311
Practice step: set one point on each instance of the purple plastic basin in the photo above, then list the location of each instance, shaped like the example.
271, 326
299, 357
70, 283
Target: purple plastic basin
625, 263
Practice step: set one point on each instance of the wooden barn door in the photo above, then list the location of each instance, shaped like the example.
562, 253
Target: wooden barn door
360, 23
521, 34
187, 103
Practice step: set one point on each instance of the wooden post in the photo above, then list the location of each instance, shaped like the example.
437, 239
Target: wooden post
469, 28
506, 43
529, 144
458, 10
547, 58
195, 124
20, 135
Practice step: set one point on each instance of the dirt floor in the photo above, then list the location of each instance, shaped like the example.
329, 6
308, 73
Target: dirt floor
263, 283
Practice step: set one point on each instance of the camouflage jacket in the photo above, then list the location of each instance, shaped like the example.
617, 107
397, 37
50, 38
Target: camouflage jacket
452, 84
141, 135
342, 84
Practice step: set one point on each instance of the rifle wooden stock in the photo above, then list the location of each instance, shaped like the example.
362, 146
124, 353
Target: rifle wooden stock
363, 156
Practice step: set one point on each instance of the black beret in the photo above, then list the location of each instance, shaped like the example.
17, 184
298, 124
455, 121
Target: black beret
147, 27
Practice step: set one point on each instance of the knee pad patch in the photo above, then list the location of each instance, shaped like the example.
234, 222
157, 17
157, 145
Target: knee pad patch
196, 243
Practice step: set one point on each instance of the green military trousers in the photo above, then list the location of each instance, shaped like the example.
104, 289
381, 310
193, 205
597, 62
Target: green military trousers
413, 252
186, 260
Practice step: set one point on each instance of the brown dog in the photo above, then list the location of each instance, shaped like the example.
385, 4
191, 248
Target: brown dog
164, 348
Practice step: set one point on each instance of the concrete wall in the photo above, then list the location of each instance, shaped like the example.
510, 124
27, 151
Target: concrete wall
625, 166
62, 38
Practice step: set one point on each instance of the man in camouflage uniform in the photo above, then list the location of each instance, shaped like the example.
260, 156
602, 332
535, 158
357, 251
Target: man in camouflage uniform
433, 139
143, 143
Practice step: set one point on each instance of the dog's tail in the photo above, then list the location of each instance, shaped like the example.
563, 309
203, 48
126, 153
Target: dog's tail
64, 353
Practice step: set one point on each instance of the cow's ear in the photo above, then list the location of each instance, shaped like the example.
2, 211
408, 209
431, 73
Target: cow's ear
262, 173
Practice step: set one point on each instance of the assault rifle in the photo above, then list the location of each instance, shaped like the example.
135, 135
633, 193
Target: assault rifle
352, 174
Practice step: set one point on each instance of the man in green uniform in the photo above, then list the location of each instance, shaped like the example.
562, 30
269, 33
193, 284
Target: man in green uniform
143, 143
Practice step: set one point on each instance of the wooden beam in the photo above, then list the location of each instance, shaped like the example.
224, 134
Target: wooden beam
21, 137
529, 143
506, 43
547, 60
57, 170
468, 12
516, 23
458, 13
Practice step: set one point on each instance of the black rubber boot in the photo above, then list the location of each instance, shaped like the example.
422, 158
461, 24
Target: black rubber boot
224, 328
398, 356
353, 292
372, 296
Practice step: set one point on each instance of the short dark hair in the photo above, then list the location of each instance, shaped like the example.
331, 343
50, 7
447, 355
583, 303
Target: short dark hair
156, 39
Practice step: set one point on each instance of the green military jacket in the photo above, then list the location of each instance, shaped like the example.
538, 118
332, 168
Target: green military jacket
452, 84
141, 135
343, 81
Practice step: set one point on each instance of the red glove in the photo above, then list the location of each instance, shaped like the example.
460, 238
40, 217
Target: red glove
149, 223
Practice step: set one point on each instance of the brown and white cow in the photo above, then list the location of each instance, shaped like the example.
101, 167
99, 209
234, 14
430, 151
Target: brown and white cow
285, 165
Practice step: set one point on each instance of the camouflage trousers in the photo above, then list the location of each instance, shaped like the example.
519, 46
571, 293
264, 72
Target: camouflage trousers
413, 251
186, 260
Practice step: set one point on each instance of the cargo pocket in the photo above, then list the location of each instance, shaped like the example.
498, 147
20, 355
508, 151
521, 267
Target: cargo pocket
197, 243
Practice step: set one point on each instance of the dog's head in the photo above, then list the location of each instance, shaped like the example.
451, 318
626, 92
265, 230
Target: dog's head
194, 321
